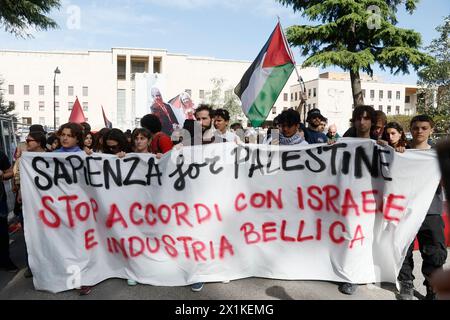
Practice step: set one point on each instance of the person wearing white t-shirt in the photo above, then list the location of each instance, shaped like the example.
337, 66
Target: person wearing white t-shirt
221, 121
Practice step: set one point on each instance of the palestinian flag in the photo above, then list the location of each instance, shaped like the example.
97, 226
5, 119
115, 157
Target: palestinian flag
263, 81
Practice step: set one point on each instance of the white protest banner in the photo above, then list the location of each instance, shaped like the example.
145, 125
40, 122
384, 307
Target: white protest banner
346, 212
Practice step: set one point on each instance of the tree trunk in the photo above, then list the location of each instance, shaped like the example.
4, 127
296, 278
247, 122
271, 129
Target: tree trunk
358, 98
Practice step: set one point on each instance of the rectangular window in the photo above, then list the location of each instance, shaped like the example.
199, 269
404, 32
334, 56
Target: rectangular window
11, 89
26, 90
85, 106
397, 95
157, 64
389, 94
380, 94
285, 97
292, 97
201, 94
57, 121
27, 120
314, 105
70, 91
12, 104
274, 110
397, 109
41, 90
407, 99
56, 105
138, 67
41, 106
42, 121
314, 92
85, 91
26, 106
121, 68
56, 90
372, 94
188, 91
364, 92
296, 96
309, 93
380, 107
70, 105
389, 109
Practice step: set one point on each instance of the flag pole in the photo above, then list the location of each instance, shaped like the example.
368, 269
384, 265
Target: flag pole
302, 103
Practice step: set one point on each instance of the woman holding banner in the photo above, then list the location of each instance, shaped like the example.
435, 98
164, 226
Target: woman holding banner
71, 138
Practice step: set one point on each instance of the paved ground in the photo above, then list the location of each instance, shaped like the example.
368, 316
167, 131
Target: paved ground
15, 286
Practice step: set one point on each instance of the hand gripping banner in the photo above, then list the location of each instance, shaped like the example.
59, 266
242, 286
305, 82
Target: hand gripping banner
345, 212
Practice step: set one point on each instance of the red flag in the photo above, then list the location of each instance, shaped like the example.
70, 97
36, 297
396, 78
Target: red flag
278, 52
108, 124
77, 114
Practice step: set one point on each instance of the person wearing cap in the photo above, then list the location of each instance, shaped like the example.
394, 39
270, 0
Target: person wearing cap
312, 132
163, 111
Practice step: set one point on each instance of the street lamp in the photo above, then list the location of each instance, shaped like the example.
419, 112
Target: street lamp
57, 71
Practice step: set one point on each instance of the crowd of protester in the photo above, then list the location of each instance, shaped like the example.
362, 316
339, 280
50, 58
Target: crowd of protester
213, 126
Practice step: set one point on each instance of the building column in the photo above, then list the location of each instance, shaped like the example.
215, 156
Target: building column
128, 104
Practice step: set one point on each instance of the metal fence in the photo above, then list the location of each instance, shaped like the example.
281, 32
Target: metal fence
8, 141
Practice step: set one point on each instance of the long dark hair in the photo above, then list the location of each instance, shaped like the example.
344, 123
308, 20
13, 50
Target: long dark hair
39, 137
99, 139
395, 125
116, 135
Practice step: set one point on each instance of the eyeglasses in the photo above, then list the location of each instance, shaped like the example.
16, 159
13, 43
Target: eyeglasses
29, 140
113, 148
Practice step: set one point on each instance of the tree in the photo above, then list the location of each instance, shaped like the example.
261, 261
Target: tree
17, 16
434, 80
5, 109
355, 34
214, 97
230, 101
401, 119
234, 107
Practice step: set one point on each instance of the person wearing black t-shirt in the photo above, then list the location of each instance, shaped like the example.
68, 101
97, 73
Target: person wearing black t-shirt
313, 133
363, 119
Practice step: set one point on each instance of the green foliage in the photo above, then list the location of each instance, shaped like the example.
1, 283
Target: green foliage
403, 120
354, 38
354, 35
234, 107
434, 94
17, 16
214, 97
5, 109
229, 101
442, 123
